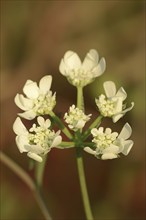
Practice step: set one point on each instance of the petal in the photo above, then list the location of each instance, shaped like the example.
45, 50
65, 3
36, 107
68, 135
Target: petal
118, 104
63, 68
80, 124
90, 151
28, 115
34, 149
122, 93
22, 142
108, 156
31, 89
125, 132
41, 121
111, 149
72, 60
57, 140
100, 68
116, 117
110, 88
127, 147
35, 157
19, 128
23, 103
45, 84
91, 60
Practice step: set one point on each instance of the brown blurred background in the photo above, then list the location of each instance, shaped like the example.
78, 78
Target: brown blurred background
34, 37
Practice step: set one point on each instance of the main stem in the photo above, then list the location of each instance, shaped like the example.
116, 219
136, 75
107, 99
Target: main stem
84, 192
29, 182
80, 165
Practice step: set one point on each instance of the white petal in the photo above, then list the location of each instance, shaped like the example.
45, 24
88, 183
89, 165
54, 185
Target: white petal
94, 131
22, 102
19, 128
116, 117
110, 88
22, 142
125, 132
80, 124
35, 157
45, 84
31, 89
34, 149
93, 54
100, 68
90, 151
127, 147
28, 115
72, 60
63, 68
118, 102
122, 93
41, 121
57, 140
111, 149
91, 60
108, 156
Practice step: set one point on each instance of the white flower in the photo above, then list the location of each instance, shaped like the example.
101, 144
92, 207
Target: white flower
76, 118
39, 99
109, 144
80, 74
112, 106
38, 141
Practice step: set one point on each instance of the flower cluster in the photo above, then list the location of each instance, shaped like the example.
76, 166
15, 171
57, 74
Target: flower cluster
38, 141
112, 106
76, 118
81, 74
39, 101
108, 144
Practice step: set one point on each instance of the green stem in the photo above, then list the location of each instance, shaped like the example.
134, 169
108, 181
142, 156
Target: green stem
39, 171
96, 123
83, 186
80, 165
61, 125
80, 98
66, 144
29, 182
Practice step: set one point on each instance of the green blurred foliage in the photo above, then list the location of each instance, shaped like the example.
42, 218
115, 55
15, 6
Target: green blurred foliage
34, 37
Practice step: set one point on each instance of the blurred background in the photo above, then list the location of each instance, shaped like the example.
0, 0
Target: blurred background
34, 37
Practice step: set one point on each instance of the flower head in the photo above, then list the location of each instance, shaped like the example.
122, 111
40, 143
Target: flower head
113, 106
108, 144
76, 118
38, 141
39, 99
81, 74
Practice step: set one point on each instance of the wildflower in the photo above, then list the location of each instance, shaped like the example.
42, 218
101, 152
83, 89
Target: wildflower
39, 99
113, 106
76, 118
38, 141
80, 74
108, 144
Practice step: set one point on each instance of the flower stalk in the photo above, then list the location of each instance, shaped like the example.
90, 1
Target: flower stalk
80, 164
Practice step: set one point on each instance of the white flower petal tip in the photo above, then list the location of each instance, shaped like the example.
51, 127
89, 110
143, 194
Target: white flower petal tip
35, 157
112, 104
76, 118
108, 144
18, 127
82, 73
89, 150
108, 156
38, 141
39, 99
